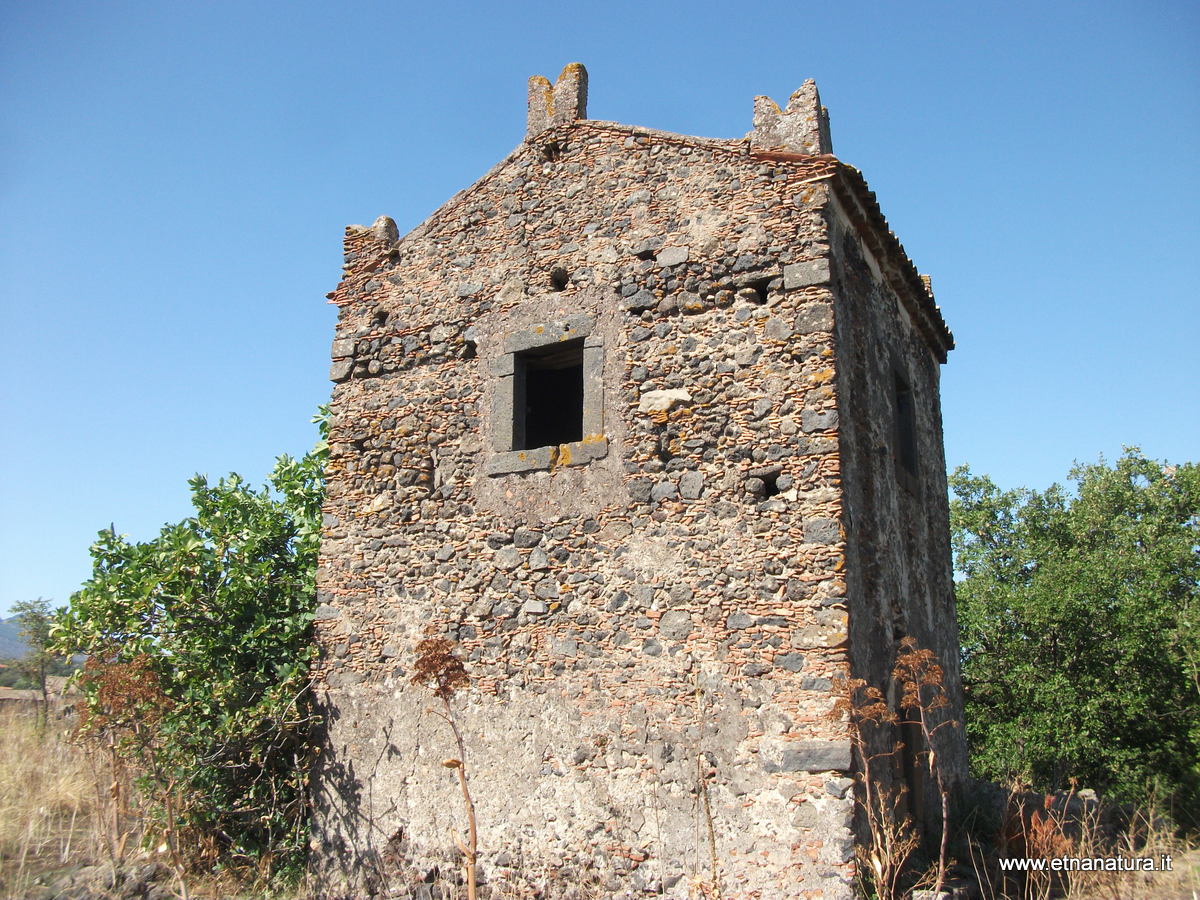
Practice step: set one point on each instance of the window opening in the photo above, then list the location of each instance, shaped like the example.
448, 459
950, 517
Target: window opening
906, 427
549, 407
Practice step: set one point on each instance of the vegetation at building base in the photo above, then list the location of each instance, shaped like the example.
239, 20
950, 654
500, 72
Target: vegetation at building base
199, 643
886, 868
1079, 617
1078, 611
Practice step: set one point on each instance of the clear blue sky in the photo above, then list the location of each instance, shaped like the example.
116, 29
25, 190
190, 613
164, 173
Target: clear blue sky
175, 177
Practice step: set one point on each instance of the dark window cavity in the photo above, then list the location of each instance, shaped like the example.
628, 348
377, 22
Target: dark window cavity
906, 427
548, 406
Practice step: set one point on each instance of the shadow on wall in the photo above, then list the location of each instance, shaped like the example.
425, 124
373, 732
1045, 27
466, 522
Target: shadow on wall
350, 847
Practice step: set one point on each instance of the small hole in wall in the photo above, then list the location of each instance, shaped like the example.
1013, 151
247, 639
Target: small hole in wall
551, 151
667, 444
379, 319
771, 485
469, 350
759, 287
559, 278
764, 483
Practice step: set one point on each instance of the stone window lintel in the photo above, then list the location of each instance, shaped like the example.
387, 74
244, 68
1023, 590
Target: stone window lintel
568, 329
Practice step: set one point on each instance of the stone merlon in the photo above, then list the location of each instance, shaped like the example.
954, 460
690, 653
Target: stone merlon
801, 127
557, 104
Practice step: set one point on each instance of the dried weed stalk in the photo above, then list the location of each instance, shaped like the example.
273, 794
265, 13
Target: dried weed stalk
704, 771
923, 685
123, 718
439, 667
892, 836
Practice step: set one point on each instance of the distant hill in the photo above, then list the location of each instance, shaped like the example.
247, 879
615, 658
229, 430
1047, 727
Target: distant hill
11, 645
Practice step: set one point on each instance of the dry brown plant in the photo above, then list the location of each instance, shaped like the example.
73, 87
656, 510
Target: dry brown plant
923, 692
1065, 826
892, 839
1145, 836
123, 720
439, 667
64, 808
1044, 836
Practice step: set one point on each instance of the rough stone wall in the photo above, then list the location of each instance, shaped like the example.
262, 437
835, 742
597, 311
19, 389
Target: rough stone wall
651, 618
898, 559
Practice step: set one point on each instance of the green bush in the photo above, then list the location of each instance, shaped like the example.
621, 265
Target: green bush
213, 619
1079, 615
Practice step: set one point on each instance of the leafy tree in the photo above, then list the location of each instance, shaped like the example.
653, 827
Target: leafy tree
1079, 615
216, 612
33, 624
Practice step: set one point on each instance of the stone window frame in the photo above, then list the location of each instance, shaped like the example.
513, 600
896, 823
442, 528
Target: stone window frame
505, 459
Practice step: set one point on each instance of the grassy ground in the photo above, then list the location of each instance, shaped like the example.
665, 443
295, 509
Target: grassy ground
58, 815
64, 815
49, 803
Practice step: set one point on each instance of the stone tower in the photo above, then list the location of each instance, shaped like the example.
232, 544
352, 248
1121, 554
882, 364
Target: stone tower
649, 426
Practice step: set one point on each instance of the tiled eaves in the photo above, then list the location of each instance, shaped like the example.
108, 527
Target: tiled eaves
852, 190
863, 208
867, 217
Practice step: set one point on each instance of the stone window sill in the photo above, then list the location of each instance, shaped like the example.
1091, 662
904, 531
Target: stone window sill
545, 459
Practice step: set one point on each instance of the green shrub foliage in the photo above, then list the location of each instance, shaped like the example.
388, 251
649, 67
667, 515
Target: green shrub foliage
1079, 614
217, 613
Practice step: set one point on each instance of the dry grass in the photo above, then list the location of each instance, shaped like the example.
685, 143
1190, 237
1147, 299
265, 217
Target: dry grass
1080, 832
1147, 836
62, 810
56, 814
48, 803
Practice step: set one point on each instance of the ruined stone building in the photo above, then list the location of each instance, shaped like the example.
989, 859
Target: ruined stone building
649, 426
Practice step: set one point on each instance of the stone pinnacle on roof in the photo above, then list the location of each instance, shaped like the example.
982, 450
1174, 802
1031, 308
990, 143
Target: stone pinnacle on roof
557, 104
801, 127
